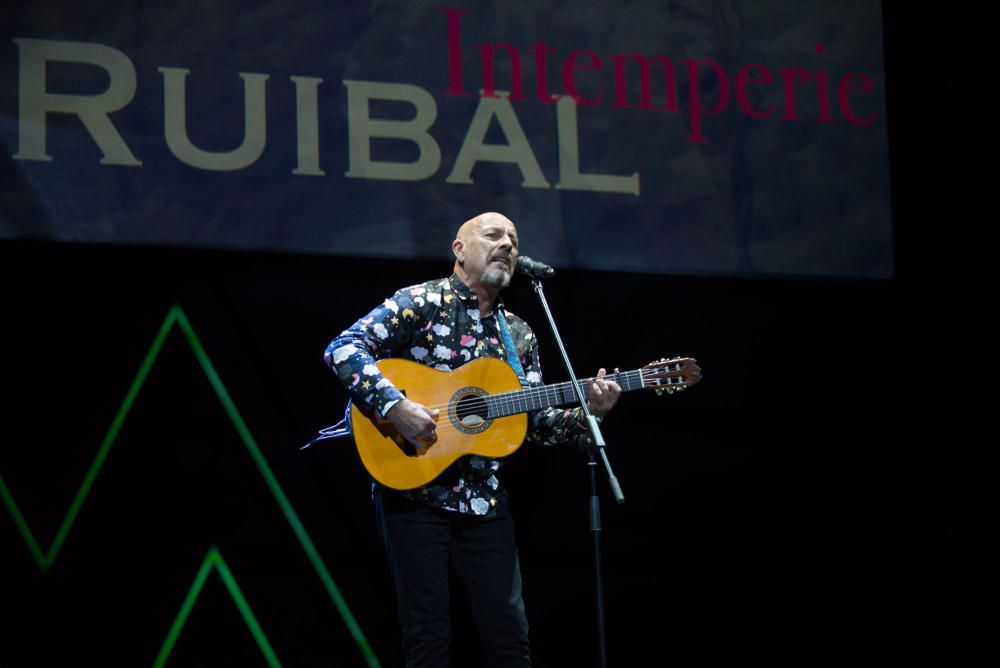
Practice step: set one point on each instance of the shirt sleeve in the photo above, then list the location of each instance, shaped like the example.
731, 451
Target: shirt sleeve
388, 328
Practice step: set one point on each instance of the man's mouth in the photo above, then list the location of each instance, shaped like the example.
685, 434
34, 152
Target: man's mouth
505, 261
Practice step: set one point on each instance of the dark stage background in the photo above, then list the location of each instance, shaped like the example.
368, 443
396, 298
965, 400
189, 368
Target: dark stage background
828, 491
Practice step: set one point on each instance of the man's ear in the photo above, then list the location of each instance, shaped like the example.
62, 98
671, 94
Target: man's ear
458, 248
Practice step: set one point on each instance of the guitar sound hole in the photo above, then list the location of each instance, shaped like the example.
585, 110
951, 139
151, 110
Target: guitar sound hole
471, 410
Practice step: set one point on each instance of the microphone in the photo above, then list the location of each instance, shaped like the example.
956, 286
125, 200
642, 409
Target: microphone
533, 268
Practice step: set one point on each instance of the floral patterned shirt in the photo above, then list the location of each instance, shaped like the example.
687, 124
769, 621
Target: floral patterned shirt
438, 324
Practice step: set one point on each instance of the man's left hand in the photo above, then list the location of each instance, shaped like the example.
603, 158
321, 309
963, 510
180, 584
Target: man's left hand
603, 394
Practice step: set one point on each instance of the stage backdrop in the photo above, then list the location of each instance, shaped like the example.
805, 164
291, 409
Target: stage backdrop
693, 137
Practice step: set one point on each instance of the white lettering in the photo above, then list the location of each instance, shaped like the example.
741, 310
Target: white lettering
517, 151
569, 158
175, 123
307, 126
94, 110
35, 102
362, 128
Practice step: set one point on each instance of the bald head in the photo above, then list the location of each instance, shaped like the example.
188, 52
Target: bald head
474, 225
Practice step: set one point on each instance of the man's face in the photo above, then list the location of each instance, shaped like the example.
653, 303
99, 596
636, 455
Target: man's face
489, 250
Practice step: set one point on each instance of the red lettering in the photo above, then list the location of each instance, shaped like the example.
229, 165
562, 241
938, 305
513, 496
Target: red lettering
788, 74
489, 86
696, 109
845, 104
743, 77
645, 89
822, 90
748, 75
454, 52
541, 73
567, 74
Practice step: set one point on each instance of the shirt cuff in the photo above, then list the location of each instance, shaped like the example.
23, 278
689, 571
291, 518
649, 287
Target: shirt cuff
388, 405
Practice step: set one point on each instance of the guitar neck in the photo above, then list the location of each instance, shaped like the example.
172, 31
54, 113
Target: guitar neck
558, 394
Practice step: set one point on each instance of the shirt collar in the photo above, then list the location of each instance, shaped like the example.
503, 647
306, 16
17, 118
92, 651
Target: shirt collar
467, 296
463, 291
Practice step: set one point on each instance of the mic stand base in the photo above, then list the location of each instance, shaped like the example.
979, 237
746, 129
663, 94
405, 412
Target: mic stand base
595, 529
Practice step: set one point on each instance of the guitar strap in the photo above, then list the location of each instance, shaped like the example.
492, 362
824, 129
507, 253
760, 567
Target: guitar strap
508, 343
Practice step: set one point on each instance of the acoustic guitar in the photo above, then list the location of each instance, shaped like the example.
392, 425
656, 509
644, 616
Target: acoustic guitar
482, 411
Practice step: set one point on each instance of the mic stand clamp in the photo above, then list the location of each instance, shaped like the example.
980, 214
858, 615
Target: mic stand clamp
593, 425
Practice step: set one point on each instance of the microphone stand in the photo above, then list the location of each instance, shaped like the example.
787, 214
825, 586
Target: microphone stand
593, 442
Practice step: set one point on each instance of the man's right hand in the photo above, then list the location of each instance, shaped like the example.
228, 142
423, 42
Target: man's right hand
415, 422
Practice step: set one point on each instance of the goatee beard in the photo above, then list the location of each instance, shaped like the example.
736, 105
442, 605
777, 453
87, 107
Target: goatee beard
496, 278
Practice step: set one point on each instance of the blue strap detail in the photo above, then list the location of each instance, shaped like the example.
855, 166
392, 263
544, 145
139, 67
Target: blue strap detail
508, 343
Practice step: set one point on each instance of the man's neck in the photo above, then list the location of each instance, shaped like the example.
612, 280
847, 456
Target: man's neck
486, 295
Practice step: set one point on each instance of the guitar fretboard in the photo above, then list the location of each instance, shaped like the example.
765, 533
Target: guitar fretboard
558, 394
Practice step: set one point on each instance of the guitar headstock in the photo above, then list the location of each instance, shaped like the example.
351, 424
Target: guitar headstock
671, 375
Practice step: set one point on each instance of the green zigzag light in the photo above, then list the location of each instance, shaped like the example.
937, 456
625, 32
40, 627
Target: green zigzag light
177, 317
214, 559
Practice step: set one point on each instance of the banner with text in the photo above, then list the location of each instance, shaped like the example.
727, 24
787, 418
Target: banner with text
719, 137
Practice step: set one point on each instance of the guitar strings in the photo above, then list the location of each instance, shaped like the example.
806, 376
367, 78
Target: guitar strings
523, 395
526, 395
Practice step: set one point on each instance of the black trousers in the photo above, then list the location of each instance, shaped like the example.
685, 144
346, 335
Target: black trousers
422, 544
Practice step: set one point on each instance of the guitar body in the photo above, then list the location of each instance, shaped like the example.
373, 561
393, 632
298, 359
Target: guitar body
483, 410
463, 428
